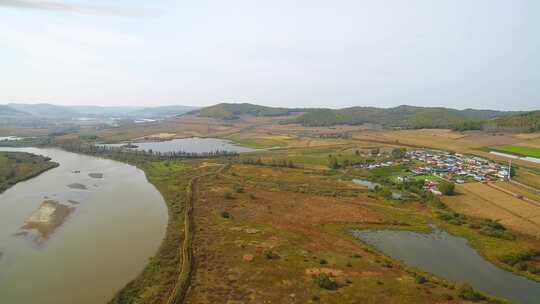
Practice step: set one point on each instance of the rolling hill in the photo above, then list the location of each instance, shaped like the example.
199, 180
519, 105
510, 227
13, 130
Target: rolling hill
529, 121
401, 116
230, 111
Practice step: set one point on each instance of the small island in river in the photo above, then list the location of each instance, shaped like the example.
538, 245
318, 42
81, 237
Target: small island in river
49, 216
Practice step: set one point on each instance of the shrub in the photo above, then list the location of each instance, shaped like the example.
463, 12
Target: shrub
270, 255
323, 280
225, 214
513, 259
228, 195
435, 201
420, 279
446, 188
466, 292
453, 218
398, 153
238, 189
323, 262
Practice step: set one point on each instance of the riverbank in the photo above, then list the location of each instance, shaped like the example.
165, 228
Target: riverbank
16, 167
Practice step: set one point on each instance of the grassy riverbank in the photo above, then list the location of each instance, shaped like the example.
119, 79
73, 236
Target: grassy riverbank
20, 166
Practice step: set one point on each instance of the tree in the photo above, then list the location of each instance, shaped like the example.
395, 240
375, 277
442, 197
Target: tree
446, 188
323, 280
334, 164
399, 153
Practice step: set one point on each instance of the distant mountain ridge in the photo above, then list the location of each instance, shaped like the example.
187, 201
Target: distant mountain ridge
8, 111
45, 110
403, 116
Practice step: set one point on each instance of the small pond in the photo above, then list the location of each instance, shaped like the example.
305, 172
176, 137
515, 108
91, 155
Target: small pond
189, 145
451, 257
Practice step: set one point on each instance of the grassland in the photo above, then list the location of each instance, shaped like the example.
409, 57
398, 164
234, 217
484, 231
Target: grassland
518, 150
261, 234
18, 166
263, 229
259, 241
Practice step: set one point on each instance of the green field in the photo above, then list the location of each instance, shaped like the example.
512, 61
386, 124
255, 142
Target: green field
518, 150
424, 177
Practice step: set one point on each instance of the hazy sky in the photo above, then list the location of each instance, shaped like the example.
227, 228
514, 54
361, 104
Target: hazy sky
469, 53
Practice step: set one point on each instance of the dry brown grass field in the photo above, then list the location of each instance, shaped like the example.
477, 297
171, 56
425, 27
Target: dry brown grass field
274, 237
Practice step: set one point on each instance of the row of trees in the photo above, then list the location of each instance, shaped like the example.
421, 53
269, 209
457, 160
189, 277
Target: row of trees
123, 153
273, 163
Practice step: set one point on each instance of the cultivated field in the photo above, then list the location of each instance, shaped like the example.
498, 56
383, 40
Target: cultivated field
481, 200
518, 150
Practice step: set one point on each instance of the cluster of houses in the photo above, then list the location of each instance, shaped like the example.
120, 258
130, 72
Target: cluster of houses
457, 167
376, 165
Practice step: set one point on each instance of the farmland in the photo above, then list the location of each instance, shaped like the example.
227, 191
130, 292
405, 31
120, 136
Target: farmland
481, 200
518, 150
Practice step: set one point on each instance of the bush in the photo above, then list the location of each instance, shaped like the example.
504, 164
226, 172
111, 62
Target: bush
453, 218
398, 153
435, 201
513, 259
225, 214
323, 280
270, 255
446, 188
495, 229
466, 292
323, 262
420, 279
228, 195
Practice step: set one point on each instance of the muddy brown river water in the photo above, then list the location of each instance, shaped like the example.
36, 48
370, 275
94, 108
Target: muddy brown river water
118, 222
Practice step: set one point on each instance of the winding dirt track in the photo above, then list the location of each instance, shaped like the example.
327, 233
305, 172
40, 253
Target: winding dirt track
178, 293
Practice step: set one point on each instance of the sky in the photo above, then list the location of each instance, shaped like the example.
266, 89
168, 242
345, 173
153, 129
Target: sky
482, 54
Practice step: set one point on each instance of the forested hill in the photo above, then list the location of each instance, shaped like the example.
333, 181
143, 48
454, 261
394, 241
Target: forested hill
229, 111
401, 116
529, 121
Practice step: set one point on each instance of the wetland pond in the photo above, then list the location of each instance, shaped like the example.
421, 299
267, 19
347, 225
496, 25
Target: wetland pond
188, 145
77, 233
452, 258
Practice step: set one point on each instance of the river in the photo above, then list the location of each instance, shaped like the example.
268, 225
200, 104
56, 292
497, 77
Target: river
118, 221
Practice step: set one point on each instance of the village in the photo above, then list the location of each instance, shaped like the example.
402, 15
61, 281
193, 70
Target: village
458, 167
434, 166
